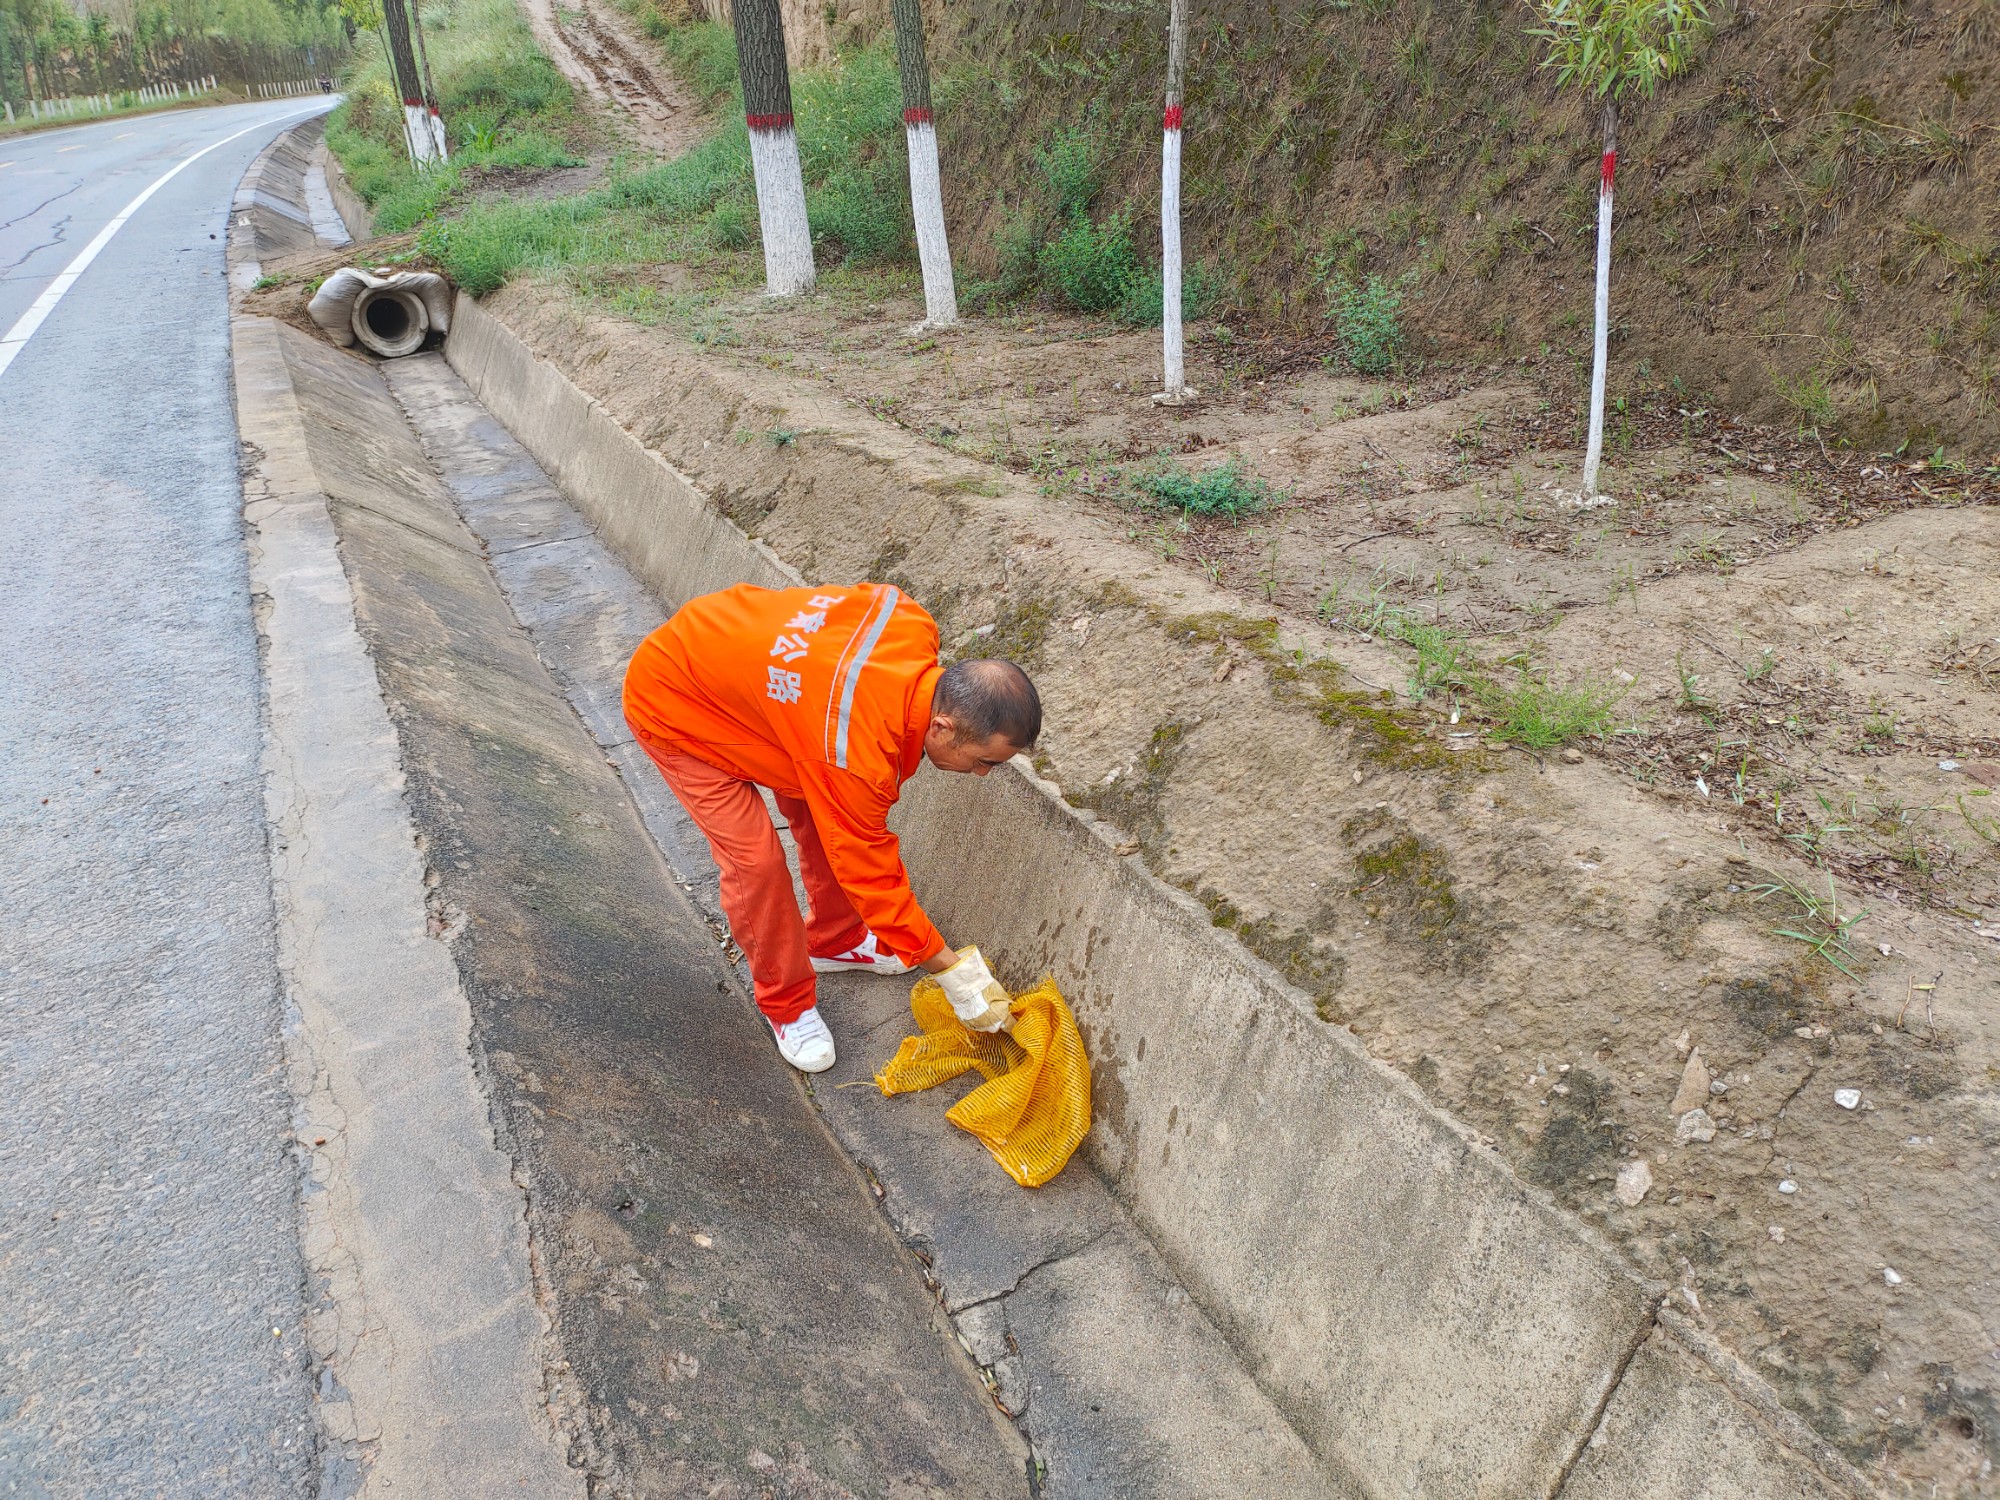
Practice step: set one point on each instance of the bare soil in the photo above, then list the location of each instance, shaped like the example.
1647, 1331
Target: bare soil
597, 47
1810, 214
1542, 945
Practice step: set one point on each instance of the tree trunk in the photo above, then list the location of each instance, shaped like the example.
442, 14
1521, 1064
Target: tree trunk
409, 84
1174, 386
1594, 452
433, 119
774, 146
926, 189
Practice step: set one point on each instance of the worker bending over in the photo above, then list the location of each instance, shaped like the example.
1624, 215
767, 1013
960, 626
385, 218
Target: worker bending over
831, 697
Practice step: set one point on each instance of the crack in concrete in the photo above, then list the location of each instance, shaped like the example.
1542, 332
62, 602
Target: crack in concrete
1645, 1330
1036, 1269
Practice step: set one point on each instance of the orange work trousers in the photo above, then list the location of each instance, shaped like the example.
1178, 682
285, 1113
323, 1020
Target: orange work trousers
757, 894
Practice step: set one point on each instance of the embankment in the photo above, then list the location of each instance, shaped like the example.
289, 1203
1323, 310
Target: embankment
1431, 1324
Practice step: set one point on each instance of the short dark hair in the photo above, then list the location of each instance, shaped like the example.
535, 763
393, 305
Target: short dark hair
986, 697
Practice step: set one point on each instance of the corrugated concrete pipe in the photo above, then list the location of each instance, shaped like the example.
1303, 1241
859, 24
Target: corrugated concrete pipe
388, 315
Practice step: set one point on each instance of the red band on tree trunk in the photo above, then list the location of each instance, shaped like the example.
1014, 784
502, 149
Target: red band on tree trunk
768, 122
409, 103
1610, 170
1171, 120
916, 117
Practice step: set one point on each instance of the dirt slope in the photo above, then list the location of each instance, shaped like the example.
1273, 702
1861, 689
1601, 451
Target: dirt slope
1809, 220
1543, 946
598, 49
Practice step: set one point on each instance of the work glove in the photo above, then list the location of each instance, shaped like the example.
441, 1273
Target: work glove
976, 997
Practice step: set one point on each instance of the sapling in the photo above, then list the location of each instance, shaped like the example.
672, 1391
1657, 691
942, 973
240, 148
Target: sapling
1174, 387
774, 146
926, 193
1614, 48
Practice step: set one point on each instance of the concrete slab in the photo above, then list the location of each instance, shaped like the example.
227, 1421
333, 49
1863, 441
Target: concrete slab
1196, 1425
1675, 1428
423, 1321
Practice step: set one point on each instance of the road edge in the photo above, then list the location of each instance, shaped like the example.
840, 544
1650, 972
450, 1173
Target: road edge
434, 1362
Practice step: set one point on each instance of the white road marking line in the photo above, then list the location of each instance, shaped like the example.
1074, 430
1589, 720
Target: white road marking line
61, 149
6, 164
126, 136
24, 327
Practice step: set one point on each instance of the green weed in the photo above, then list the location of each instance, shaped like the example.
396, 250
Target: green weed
1225, 490
1821, 927
1538, 714
1367, 320
1809, 395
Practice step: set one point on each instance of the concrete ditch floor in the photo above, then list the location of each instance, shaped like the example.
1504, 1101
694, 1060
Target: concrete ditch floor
737, 1317
1120, 1383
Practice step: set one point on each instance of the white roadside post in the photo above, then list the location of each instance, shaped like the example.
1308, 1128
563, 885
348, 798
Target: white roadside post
1613, 48
1593, 454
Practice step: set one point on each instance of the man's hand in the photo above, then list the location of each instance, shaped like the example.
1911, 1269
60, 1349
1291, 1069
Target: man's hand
977, 998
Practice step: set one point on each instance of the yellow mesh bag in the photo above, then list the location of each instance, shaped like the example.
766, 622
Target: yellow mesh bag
1033, 1111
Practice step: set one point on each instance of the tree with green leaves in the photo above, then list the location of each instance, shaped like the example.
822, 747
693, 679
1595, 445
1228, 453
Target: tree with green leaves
1616, 49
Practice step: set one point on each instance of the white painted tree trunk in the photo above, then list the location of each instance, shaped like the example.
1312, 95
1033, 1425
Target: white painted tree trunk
927, 207
1174, 381
781, 209
1173, 375
437, 134
417, 133
1594, 451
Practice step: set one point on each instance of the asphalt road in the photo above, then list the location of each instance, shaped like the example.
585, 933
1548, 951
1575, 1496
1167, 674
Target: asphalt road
150, 1279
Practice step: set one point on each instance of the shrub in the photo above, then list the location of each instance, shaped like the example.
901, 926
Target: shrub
1092, 265
1367, 320
1072, 168
1144, 302
1225, 490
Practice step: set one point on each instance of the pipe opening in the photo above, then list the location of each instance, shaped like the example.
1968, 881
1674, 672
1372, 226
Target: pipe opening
387, 319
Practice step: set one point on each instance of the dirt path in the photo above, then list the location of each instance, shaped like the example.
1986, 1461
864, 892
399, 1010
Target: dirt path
598, 48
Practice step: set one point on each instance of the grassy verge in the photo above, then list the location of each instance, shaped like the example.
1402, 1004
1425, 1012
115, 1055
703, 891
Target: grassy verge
504, 105
124, 106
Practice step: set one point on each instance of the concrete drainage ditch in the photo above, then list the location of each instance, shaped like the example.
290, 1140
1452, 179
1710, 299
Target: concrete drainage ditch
1401, 1315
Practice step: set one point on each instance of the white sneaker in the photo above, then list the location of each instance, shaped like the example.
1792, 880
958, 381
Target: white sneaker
865, 957
806, 1043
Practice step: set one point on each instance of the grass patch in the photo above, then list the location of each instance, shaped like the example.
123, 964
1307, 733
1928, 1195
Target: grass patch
504, 105
1228, 489
1538, 714
514, 110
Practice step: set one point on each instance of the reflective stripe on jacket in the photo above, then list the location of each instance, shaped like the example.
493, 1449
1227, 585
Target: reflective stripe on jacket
822, 693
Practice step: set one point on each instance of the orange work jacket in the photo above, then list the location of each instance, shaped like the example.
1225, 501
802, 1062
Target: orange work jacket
821, 693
